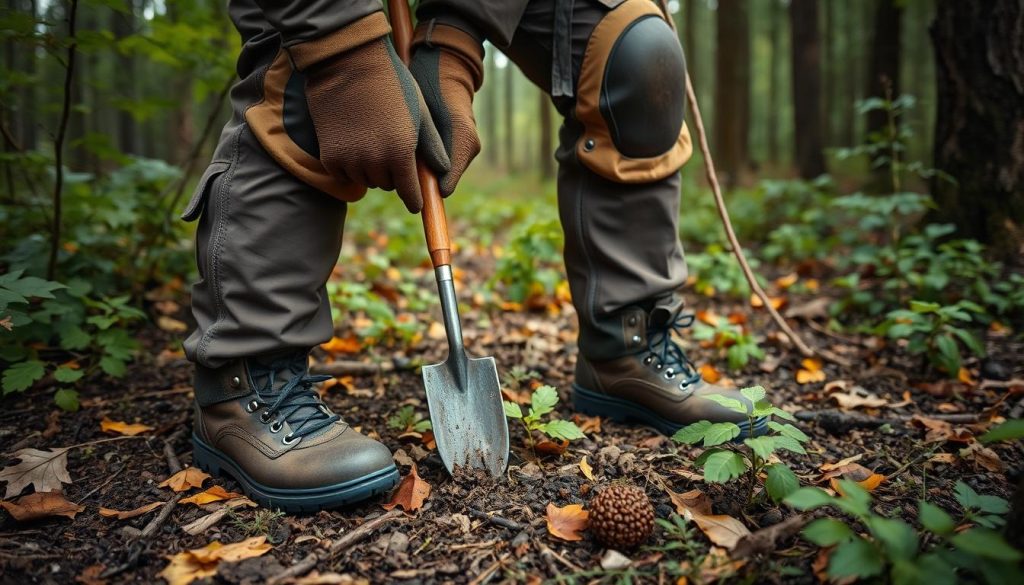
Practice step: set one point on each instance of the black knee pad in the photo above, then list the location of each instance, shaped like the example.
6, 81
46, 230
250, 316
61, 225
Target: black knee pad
631, 97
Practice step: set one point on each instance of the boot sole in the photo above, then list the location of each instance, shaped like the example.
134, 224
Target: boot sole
294, 501
624, 411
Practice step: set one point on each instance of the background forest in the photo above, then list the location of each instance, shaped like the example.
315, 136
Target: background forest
872, 156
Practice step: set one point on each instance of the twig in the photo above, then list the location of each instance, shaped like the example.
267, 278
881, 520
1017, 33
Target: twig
104, 484
350, 368
767, 539
545, 550
150, 529
486, 575
837, 422
58, 143
496, 520
297, 570
173, 463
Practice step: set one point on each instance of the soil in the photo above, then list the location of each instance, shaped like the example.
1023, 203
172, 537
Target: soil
478, 529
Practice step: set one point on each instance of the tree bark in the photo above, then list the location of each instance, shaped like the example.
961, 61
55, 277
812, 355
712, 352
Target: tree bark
123, 24
807, 118
690, 41
490, 115
884, 69
979, 128
775, 47
732, 89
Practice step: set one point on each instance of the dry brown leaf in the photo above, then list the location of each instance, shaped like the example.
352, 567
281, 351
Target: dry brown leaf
91, 575
964, 375
587, 424
41, 505
411, 493
214, 494
947, 458
984, 457
787, 281
841, 463
170, 324
189, 565
567, 523
436, 331
546, 447
708, 318
347, 345
776, 302
855, 472
720, 529
45, 470
124, 515
318, 578
816, 308
810, 371
186, 479
117, 427
939, 431
587, 470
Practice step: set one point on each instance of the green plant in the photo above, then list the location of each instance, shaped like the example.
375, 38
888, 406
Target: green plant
715, 272
739, 345
376, 322
256, 522
542, 402
531, 263
406, 419
893, 547
723, 460
936, 331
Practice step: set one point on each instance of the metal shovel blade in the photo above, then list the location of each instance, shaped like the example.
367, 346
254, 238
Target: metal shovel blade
464, 396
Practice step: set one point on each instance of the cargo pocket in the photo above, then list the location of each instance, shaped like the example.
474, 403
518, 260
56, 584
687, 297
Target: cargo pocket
195, 204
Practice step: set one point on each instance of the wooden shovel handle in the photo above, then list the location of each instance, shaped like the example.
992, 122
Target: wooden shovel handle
435, 223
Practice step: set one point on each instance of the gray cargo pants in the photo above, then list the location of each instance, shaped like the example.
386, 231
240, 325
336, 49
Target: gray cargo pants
267, 242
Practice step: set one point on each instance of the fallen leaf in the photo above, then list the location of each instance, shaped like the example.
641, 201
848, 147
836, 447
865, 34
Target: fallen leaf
436, 331
587, 470
45, 470
318, 578
710, 374
411, 493
776, 302
613, 560
855, 472
186, 479
852, 401
347, 345
170, 324
587, 424
124, 515
708, 318
214, 494
189, 565
41, 505
984, 457
567, 523
947, 458
810, 372
203, 523
551, 447
841, 463
720, 529
91, 575
816, 308
964, 375
123, 428
939, 431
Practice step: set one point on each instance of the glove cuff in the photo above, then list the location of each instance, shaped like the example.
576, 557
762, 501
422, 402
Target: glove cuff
366, 29
466, 47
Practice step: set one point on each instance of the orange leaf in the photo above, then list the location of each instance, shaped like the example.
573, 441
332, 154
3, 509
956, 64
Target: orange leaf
710, 374
964, 375
872, 481
708, 318
567, 523
587, 424
811, 371
41, 505
123, 428
585, 467
214, 494
776, 302
186, 479
339, 345
411, 494
124, 515
787, 281
189, 565
551, 447
720, 529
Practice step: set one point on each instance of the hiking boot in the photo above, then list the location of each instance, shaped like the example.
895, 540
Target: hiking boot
657, 384
261, 422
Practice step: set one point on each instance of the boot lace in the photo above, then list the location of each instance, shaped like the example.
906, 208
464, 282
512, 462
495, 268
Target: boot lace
294, 402
666, 353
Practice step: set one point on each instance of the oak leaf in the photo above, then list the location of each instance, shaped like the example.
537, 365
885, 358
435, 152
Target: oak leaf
411, 493
41, 505
720, 529
45, 470
567, 523
214, 494
186, 479
189, 565
122, 428
126, 514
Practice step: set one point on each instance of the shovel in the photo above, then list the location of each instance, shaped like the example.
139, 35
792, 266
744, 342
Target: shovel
463, 393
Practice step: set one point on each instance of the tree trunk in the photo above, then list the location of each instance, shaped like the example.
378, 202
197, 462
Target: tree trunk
690, 41
807, 119
547, 161
979, 128
775, 33
851, 69
828, 69
123, 25
510, 90
732, 89
884, 69
490, 115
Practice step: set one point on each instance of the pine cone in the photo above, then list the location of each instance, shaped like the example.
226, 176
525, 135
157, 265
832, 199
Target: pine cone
621, 516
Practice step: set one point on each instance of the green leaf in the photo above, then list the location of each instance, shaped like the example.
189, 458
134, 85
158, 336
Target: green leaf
781, 482
899, 538
855, 558
543, 401
827, 532
969, 340
562, 429
789, 444
935, 518
66, 399
922, 307
809, 498
763, 447
754, 394
74, 337
67, 375
949, 354
1006, 431
855, 500
113, 366
788, 430
783, 414
730, 403
692, 433
723, 466
986, 543
512, 409
719, 433
22, 375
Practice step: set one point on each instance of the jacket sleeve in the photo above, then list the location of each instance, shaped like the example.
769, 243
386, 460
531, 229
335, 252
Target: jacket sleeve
299, 21
494, 20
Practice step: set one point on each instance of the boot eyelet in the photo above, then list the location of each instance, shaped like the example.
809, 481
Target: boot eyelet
670, 374
265, 417
252, 406
648, 360
289, 439
276, 426
657, 366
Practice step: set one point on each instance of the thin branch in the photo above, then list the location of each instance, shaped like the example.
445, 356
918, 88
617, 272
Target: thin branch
58, 144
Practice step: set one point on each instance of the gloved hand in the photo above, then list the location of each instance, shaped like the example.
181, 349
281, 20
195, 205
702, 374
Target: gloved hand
369, 114
448, 66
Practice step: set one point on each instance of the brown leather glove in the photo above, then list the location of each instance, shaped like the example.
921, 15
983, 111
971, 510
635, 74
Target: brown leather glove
369, 114
448, 66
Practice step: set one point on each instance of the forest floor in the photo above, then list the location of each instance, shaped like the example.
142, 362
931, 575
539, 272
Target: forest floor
884, 414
